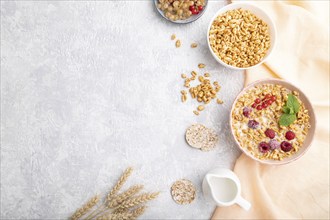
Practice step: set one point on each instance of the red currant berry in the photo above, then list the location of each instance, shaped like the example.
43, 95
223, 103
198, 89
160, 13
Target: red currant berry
200, 8
259, 107
269, 102
267, 96
264, 105
194, 12
254, 105
257, 101
273, 98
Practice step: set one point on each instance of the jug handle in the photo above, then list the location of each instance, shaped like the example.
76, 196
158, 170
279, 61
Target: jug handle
243, 203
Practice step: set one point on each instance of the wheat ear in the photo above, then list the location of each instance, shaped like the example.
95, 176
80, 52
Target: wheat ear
138, 212
120, 210
117, 200
120, 183
85, 208
137, 200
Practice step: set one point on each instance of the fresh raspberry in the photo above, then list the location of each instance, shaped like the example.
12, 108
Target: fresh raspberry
290, 135
264, 147
253, 124
247, 111
286, 146
270, 133
274, 144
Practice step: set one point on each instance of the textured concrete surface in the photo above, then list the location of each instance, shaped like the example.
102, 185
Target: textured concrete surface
89, 88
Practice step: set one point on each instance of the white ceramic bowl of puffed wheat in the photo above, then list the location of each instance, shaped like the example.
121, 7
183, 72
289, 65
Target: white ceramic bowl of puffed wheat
223, 53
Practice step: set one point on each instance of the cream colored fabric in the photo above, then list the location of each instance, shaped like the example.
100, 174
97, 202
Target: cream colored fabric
299, 189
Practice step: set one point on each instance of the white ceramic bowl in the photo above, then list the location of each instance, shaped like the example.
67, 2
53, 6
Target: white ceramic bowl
308, 106
260, 14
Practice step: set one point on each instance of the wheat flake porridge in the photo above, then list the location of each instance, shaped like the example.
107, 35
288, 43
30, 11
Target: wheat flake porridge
270, 122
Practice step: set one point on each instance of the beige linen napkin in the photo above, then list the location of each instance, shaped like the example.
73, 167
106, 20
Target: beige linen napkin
299, 189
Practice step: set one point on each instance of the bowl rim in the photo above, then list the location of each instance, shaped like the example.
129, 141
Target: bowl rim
271, 24
311, 113
182, 21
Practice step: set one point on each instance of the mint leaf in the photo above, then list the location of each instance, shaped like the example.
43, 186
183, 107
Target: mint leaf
287, 119
288, 110
291, 111
293, 103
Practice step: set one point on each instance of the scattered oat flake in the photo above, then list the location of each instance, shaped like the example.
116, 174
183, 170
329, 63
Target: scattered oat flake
219, 101
183, 98
201, 65
178, 43
173, 37
193, 45
200, 108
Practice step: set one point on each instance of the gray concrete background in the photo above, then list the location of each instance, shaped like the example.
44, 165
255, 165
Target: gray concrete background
89, 88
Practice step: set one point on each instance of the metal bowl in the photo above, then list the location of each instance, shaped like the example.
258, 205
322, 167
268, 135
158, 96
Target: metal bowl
186, 21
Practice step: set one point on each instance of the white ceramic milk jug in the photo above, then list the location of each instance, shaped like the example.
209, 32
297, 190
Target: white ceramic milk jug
223, 187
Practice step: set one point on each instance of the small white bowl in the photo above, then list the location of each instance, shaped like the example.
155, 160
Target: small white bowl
260, 14
310, 135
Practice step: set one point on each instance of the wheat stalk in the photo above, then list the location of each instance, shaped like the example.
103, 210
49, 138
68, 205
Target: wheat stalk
96, 212
137, 200
117, 200
120, 183
85, 208
118, 216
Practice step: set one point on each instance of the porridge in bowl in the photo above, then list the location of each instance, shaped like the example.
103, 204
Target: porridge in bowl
270, 122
